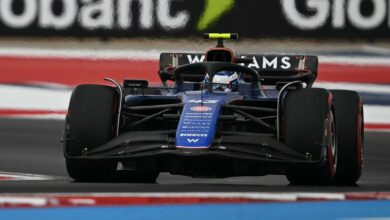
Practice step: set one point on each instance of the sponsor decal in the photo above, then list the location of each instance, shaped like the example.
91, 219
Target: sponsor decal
193, 135
270, 62
201, 108
338, 12
91, 15
195, 58
178, 18
192, 140
259, 62
204, 101
112, 15
213, 11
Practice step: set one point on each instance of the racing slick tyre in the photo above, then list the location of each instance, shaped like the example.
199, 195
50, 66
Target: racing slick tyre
89, 124
350, 134
308, 126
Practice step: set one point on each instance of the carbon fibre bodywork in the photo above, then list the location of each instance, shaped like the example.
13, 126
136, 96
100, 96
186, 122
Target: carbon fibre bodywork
200, 133
192, 130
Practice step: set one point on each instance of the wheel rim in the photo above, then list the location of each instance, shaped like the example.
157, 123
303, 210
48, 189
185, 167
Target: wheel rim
361, 139
331, 145
333, 141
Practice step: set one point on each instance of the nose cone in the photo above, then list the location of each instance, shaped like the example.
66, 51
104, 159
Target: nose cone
198, 123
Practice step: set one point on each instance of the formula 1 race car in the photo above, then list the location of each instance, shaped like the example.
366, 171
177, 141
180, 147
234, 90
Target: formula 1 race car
217, 114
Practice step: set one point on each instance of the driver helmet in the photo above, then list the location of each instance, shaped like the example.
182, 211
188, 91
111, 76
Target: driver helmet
225, 81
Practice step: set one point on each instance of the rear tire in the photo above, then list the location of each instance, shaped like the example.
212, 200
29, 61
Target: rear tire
90, 124
350, 132
308, 126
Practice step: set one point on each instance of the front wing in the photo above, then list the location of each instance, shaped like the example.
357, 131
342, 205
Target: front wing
231, 154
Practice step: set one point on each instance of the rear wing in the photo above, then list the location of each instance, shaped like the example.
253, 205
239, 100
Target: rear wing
271, 68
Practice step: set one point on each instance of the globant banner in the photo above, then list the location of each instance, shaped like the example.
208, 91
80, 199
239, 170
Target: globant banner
357, 19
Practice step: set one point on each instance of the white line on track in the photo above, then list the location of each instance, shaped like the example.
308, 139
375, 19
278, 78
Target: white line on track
290, 196
36, 116
249, 195
81, 54
96, 199
23, 201
377, 114
33, 98
6, 176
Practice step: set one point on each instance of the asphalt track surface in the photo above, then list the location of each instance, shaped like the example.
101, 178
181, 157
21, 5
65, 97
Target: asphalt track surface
32, 146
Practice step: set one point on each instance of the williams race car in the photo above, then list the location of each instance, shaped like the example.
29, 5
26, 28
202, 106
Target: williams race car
217, 114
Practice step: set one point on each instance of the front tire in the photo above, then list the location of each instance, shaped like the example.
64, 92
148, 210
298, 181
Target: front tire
308, 126
90, 124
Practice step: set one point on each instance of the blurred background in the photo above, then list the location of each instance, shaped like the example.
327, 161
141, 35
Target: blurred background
49, 46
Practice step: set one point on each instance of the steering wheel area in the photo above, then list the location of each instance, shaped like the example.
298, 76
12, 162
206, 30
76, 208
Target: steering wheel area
199, 71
